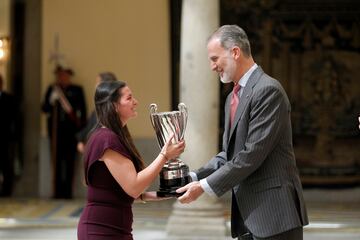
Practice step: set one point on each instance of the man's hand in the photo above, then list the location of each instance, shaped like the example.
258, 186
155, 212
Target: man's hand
54, 96
192, 191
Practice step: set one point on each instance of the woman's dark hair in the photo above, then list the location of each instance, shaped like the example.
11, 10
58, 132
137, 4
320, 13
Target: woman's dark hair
106, 94
107, 76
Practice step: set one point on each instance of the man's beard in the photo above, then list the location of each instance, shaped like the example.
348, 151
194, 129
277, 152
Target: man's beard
225, 78
230, 69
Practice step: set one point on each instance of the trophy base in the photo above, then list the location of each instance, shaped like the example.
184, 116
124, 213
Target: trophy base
168, 187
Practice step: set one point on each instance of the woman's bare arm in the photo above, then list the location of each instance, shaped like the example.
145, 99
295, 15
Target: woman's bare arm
124, 172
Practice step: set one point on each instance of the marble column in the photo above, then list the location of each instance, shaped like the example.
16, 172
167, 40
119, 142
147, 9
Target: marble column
28, 184
199, 90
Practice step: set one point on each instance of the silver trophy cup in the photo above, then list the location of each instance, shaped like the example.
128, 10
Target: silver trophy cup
175, 172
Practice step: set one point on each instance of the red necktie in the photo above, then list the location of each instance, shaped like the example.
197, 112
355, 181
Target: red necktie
234, 103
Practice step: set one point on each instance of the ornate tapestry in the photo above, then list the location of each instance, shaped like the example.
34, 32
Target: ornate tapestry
313, 49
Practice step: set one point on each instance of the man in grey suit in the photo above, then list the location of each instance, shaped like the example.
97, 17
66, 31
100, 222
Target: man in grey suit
257, 162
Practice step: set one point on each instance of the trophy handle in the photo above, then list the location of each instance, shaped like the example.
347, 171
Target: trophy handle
153, 110
184, 116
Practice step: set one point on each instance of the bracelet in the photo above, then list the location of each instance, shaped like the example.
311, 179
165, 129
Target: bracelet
163, 154
142, 199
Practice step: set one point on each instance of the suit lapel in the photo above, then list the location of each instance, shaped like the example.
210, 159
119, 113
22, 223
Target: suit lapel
244, 99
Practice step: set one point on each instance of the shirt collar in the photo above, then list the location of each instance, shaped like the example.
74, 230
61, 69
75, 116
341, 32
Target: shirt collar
244, 79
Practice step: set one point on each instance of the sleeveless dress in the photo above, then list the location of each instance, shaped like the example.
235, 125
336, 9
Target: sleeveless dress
108, 213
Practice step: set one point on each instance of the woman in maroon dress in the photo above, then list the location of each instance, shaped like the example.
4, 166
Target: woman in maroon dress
114, 170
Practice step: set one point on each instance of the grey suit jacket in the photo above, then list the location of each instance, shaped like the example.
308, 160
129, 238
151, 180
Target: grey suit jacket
257, 162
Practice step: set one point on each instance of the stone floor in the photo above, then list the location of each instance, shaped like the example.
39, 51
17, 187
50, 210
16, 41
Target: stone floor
334, 214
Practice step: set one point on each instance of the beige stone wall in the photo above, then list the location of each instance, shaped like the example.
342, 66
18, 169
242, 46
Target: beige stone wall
129, 37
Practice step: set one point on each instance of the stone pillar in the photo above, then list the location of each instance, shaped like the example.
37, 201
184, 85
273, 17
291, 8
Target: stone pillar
199, 90
28, 185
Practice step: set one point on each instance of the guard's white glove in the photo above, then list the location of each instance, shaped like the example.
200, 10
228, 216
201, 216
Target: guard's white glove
54, 96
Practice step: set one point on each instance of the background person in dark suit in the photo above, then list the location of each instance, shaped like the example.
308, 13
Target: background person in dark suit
83, 134
65, 106
257, 162
8, 110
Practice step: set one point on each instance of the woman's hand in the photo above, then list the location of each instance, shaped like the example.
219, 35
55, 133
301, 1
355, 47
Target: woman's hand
152, 197
172, 150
